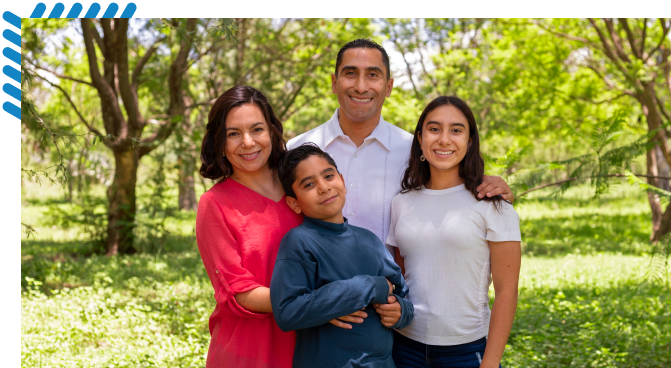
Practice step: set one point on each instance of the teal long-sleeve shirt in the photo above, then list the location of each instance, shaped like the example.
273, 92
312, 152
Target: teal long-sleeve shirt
324, 271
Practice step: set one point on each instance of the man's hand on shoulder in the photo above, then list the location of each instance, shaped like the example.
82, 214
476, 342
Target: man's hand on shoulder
389, 313
492, 186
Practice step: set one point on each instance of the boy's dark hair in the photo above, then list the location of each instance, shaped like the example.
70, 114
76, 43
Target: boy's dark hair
287, 169
363, 43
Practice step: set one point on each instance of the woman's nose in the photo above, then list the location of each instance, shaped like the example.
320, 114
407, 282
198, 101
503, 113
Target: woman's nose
247, 140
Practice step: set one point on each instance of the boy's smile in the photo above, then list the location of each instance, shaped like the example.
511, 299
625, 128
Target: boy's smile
320, 190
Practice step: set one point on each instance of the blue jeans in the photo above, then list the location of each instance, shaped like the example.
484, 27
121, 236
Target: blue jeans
408, 353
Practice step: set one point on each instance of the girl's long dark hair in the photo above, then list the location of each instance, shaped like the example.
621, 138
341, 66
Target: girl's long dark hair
214, 164
471, 168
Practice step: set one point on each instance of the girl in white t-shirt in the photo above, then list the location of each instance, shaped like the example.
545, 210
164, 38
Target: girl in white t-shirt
451, 245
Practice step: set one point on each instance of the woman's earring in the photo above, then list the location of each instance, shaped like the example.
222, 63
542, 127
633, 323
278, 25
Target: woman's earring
223, 154
422, 158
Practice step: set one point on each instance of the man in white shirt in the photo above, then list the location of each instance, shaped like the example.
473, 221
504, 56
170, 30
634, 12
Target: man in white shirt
371, 153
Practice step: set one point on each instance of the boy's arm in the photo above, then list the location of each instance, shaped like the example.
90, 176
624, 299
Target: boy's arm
399, 311
296, 304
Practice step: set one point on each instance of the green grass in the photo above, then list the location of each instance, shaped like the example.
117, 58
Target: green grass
583, 302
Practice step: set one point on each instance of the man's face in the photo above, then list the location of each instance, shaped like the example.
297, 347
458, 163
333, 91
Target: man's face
361, 84
320, 190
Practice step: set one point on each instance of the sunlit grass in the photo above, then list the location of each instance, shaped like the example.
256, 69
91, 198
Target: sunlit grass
584, 303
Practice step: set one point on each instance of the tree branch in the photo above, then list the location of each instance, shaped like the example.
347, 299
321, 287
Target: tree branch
591, 177
62, 76
74, 107
128, 94
137, 71
105, 91
630, 37
617, 41
665, 32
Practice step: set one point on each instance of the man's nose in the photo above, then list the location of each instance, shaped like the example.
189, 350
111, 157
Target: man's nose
361, 84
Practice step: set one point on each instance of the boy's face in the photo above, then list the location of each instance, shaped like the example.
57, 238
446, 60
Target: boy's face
320, 190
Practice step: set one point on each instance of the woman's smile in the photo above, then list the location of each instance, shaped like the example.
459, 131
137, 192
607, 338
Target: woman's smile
250, 156
443, 154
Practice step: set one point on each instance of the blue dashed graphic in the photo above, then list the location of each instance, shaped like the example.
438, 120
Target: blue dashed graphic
14, 71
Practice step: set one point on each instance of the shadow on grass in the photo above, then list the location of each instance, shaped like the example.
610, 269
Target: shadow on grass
586, 234
623, 326
69, 264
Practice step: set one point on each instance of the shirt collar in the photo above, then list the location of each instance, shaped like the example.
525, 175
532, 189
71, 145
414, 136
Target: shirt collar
320, 224
381, 133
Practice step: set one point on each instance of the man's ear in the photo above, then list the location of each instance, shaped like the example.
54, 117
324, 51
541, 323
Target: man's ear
333, 83
390, 86
293, 204
343, 182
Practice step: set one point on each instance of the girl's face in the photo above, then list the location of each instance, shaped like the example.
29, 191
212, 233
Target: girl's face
248, 144
444, 139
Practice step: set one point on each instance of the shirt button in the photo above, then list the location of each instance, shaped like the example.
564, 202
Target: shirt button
216, 271
351, 214
352, 185
355, 155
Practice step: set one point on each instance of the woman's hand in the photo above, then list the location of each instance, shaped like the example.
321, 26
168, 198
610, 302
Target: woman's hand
356, 317
494, 185
389, 313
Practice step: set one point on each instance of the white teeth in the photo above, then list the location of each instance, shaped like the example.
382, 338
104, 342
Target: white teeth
250, 155
361, 100
444, 152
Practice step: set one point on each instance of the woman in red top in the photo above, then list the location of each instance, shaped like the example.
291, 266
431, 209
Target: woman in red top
240, 223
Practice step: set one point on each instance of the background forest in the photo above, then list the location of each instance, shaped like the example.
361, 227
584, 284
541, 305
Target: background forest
573, 113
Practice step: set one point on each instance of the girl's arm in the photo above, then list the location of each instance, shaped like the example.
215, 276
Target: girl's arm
506, 258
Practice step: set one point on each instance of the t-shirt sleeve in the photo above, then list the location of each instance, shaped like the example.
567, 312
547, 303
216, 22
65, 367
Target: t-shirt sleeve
391, 235
503, 224
220, 252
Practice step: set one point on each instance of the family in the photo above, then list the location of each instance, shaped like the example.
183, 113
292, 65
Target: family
356, 244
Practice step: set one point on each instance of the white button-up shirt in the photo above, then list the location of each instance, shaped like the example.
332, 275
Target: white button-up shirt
372, 171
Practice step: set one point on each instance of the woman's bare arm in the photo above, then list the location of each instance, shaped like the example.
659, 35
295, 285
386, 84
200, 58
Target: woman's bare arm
506, 259
255, 300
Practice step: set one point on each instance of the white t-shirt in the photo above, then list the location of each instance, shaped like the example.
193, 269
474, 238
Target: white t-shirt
443, 237
372, 171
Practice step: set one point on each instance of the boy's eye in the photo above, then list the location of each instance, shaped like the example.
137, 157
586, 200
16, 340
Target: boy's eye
308, 185
329, 176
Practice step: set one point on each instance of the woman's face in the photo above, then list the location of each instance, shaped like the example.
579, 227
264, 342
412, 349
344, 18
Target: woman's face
248, 143
445, 138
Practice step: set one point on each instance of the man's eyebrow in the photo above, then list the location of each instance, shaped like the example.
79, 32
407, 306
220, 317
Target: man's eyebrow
374, 68
348, 67
306, 179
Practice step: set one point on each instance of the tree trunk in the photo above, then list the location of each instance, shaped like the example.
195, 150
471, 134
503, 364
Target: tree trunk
662, 170
187, 191
653, 198
121, 203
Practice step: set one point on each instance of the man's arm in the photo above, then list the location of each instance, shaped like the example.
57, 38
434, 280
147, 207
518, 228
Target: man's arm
492, 186
296, 304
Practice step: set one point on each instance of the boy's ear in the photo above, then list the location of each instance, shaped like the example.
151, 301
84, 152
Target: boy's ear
293, 204
343, 182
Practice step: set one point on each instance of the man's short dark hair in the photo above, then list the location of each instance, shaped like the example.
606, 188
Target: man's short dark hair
287, 169
363, 43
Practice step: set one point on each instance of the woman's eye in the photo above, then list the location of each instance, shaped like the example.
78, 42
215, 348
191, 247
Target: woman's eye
232, 134
258, 129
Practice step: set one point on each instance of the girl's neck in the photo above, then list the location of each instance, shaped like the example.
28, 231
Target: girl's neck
265, 182
443, 179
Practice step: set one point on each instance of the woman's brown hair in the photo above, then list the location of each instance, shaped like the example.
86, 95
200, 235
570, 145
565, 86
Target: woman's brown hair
214, 164
471, 168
